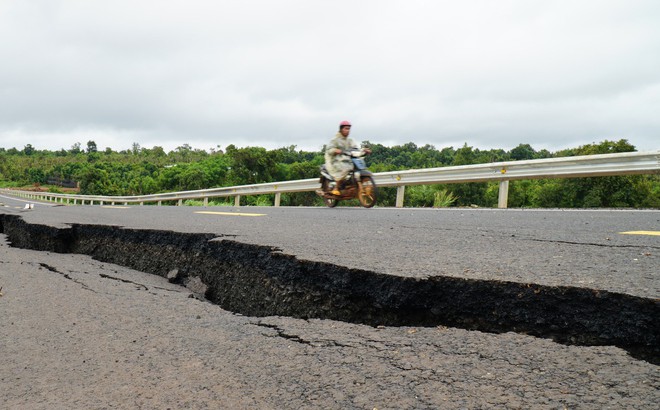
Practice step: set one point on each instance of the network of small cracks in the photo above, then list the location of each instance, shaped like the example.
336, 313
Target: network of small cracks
419, 374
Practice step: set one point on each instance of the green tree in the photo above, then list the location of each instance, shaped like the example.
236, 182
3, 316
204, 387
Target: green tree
464, 156
36, 175
522, 152
252, 165
96, 181
91, 147
75, 149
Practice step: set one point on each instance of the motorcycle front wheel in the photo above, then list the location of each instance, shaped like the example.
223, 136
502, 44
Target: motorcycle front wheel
367, 194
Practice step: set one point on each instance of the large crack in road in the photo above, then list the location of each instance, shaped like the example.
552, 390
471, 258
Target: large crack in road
262, 281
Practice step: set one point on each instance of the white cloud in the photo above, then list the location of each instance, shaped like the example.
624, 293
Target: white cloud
492, 74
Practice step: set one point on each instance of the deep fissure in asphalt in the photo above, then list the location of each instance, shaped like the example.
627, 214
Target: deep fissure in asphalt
259, 280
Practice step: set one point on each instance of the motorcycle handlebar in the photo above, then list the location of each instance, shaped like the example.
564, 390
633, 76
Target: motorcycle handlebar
350, 153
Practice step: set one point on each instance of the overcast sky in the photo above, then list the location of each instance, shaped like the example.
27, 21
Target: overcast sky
492, 74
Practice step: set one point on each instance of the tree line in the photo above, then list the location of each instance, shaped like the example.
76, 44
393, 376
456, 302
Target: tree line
139, 171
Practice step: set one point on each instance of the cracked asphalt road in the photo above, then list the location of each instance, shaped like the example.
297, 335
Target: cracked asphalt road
78, 333
582, 248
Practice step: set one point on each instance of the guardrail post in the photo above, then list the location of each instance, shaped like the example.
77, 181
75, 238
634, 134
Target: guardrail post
206, 201
503, 197
400, 192
237, 200
141, 203
125, 203
179, 202
160, 203
277, 198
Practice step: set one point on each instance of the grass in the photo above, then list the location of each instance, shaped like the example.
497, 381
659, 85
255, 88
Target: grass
444, 199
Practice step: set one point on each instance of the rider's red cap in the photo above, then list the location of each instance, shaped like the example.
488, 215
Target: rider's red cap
344, 124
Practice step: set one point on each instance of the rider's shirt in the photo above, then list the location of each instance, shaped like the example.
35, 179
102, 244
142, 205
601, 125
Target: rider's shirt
339, 165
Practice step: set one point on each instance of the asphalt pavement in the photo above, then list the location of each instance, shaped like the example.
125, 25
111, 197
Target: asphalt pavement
76, 333
79, 333
581, 248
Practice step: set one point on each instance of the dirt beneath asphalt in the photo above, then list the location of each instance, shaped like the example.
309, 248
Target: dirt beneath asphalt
79, 333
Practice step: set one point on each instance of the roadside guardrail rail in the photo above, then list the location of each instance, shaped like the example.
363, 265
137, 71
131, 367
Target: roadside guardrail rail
628, 163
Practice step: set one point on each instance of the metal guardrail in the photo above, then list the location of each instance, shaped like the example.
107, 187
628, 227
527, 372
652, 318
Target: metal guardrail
566, 167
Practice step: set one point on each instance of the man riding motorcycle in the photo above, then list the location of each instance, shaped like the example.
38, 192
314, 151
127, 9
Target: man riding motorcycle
337, 160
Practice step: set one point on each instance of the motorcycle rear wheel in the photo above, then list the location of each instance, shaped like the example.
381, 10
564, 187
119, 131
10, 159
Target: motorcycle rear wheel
330, 202
368, 194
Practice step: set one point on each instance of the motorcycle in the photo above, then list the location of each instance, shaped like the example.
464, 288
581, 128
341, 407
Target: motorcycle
359, 183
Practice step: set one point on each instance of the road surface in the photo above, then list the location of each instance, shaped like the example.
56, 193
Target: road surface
80, 333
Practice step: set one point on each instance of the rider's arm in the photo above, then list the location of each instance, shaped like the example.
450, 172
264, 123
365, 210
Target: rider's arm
353, 148
357, 151
332, 149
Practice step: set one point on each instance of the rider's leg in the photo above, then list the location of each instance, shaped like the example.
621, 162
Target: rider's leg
340, 177
338, 186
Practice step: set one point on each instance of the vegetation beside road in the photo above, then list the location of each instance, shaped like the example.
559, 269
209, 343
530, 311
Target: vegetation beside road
141, 171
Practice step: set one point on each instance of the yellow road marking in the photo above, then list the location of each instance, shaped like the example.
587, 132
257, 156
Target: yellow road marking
652, 233
228, 213
114, 207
